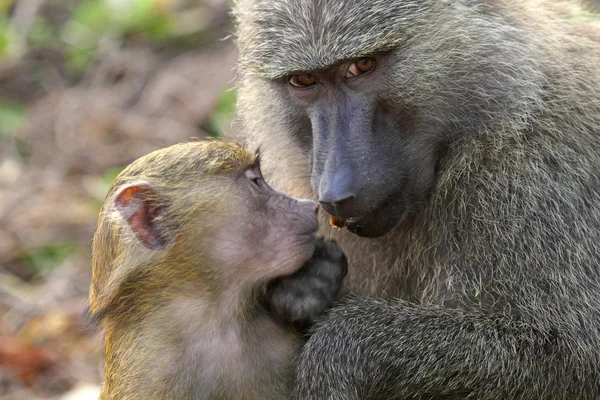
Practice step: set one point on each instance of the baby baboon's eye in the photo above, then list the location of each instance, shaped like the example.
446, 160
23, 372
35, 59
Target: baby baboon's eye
254, 176
360, 67
303, 80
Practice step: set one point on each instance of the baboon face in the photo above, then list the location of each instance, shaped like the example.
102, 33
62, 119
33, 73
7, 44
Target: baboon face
264, 233
208, 201
366, 107
370, 163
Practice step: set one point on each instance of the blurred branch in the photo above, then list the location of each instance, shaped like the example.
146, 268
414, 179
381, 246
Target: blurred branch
23, 17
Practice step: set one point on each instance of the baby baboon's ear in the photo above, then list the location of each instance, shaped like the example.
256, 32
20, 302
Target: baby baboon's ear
139, 205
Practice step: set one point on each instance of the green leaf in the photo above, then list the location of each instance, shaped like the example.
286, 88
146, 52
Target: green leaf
94, 14
109, 176
8, 38
42, 34
147, 18
4, 6
103, 185
12, 116
43, 260
221, 118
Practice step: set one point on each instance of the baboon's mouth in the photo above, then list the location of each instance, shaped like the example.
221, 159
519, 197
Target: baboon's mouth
378, 223
342, 222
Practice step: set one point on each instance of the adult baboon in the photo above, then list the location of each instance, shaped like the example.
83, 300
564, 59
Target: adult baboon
464, 136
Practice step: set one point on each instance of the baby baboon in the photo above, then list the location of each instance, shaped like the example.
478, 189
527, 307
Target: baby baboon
457, 142
187, 242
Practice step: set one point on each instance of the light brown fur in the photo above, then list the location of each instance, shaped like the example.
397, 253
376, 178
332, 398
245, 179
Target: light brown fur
183, 321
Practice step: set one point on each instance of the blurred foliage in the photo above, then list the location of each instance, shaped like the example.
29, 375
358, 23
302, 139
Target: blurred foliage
44, 259
92, 23
71, 38
220, 120
12, 116
93, 19
7, 37
109, 176
103, 185
86, 87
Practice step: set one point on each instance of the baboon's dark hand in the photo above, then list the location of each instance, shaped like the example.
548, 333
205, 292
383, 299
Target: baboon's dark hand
301, 297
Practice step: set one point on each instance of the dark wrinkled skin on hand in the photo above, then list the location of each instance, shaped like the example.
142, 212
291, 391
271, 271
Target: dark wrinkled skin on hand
301, 297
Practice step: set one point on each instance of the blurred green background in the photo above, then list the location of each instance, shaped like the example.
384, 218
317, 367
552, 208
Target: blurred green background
86, 87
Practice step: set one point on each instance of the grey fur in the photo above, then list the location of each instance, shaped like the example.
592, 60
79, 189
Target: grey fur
496, 281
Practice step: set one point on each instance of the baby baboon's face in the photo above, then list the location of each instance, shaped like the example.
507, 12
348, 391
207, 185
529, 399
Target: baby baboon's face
265, 233
207, 204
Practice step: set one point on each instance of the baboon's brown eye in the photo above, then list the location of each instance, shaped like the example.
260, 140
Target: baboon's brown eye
304, 80
360, 67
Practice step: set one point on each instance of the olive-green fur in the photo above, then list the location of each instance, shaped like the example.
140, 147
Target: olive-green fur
184, 176
131, 283
496, 276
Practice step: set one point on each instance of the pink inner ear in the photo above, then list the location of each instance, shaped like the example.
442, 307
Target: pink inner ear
137, 204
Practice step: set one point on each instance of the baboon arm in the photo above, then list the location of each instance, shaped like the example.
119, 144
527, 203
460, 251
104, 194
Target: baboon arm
373, 349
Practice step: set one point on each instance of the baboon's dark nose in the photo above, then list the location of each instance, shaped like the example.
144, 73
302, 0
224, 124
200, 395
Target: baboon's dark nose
337, 205
337, 193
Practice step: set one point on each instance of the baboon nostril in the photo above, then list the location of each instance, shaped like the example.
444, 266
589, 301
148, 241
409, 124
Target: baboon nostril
337, 190
336, 204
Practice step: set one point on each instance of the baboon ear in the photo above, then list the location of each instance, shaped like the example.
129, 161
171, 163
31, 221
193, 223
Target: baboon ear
139, 205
